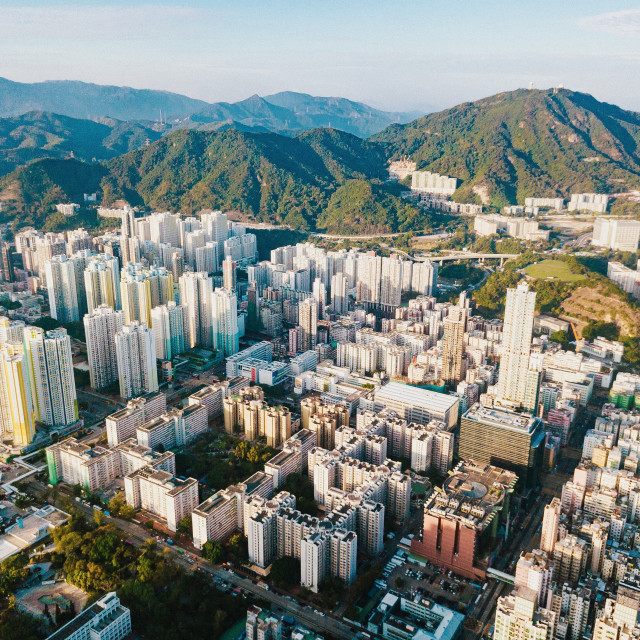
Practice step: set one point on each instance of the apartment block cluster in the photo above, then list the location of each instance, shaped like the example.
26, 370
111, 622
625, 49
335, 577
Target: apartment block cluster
36, 383
140, 437
521, 228
591, 202
144, 294
584, 581
355, 483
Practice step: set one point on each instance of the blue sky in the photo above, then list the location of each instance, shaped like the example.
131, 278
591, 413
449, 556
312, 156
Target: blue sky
404, 55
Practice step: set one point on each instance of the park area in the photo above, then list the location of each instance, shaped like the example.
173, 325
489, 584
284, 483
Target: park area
556, 269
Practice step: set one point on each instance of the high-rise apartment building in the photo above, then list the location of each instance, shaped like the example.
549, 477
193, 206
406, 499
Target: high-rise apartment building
516, 346
60, 277
171, 329
339, 294
518, 617
51, 376
143, 289
453, 343
17, 414
308, 321
550, 524
224, 308
162, 494
102, 282
136, 356
196, 290
100, 327
229, 268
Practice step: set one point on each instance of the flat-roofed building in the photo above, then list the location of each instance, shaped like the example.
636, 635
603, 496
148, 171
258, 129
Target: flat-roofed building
508, 439
218, 516
283, 464
416, 405
74, 462
105, 619
123, 424
162, 494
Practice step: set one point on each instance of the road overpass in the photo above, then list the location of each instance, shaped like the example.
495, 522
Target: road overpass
453, 257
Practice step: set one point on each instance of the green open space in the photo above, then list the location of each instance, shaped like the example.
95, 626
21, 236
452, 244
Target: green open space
553, 269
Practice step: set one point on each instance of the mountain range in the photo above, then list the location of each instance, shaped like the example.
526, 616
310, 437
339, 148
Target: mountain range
502, 149
287, 112
525, 143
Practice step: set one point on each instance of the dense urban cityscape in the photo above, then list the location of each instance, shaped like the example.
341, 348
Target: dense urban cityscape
296, 366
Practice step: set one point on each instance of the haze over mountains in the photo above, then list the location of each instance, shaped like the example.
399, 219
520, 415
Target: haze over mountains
502, 149
286, 112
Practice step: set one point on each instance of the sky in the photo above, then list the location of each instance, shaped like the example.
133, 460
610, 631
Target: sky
413, 55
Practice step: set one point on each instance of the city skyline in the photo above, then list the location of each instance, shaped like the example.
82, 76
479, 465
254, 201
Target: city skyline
228, 53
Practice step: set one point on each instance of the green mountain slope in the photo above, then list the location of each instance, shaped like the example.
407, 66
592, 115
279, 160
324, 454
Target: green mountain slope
47, 135
29, 193
267, 177
525, 143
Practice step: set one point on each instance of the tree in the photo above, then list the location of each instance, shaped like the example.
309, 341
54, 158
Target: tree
562, 337
285, 572
185, 526
213, 552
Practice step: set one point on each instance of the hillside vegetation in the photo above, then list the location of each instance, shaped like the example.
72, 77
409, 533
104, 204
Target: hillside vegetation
319, 179
503, 149
39, 134
525, 143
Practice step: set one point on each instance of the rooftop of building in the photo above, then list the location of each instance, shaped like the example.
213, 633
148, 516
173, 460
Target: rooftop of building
430, 400
502, 418
173, 484
473, 494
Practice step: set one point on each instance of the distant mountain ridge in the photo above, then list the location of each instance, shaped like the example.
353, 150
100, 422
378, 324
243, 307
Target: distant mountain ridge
523, 143
90, 101
289, 113
502, 149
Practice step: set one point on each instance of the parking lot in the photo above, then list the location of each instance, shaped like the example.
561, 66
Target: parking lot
444, 586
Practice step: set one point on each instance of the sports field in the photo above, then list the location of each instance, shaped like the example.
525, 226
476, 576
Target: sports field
552, 269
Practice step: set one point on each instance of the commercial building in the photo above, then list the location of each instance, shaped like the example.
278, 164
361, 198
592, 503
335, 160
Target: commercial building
105, 619
461, 521
414, 618
508, 439
619, 234
414, 404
